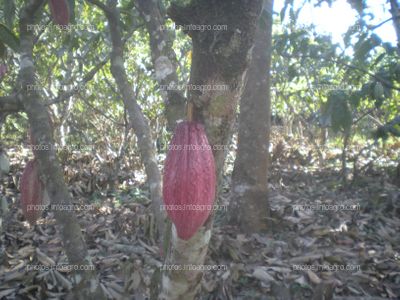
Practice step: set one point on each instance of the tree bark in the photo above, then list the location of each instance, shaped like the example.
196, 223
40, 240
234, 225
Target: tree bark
164, 61
137, 119
219, 61
86, 284
249, 204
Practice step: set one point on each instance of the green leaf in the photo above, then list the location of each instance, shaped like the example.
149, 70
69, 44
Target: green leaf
339, 109
355, 98
396, 130
8, 38
396, 72
358, 5
375, 40
366, 90
393, 128
363, 47
390, 50
378, 59
9, 12
378, 90
292, 72
304, 45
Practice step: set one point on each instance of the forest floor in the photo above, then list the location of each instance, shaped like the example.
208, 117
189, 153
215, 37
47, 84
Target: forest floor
348, 252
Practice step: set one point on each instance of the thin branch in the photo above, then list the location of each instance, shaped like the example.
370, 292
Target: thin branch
373, 27
363, 115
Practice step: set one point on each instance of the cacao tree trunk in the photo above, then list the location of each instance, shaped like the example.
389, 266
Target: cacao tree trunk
219, 62
164, 61
86, 284
137, 119
249, 204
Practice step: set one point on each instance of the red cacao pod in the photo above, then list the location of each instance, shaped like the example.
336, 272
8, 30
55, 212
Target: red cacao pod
189, 179
32, 190
60, 11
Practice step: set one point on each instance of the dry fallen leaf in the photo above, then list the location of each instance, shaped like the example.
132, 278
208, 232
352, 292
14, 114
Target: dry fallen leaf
261, 274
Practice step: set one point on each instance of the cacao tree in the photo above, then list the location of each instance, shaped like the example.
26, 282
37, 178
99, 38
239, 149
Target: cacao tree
123, 73
49, 167
219, 58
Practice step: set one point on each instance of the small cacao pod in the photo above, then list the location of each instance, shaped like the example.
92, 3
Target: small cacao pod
32, 191
189, 179
60, 11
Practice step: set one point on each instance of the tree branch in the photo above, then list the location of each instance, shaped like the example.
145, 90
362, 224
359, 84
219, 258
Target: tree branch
373, 27
162, 54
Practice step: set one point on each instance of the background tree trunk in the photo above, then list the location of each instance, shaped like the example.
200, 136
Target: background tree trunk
249, 204
219, 60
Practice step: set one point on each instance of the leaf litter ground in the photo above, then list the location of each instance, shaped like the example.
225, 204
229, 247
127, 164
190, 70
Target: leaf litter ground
309, 252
